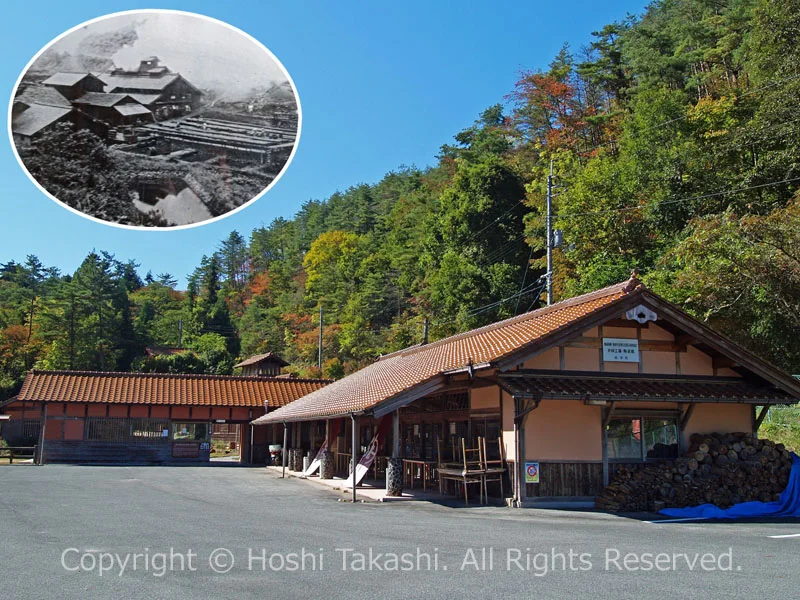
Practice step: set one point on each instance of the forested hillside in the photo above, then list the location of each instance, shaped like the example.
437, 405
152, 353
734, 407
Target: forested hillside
675, 144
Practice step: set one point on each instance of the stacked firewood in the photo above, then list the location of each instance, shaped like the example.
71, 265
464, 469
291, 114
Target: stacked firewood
720, 469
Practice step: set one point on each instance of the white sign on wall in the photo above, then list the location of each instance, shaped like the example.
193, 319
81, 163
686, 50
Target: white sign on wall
620, 350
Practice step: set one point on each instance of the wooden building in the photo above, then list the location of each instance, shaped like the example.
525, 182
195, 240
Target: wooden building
114, 109
262, 365
75, 416
35, 110
164, 92
615, 377
74, 85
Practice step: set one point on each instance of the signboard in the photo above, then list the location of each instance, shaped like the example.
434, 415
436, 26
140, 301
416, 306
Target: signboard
620, 350
185, 450
531, 472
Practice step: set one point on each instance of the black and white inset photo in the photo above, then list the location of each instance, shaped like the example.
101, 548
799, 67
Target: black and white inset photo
155, 119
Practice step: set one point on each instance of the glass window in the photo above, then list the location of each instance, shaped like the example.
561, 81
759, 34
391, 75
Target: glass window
660, 438
633, 437
625, 438
195, 432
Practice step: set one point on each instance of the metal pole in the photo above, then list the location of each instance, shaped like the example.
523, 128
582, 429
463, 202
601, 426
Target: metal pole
252, 435
515, 501
285, 441
550, 236
42, 434
319, 356
354, 450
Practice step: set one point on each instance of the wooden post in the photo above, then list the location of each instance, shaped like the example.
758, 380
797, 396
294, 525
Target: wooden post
518, 477
604, 441
682, 423
760, 418
396, 434
606, 413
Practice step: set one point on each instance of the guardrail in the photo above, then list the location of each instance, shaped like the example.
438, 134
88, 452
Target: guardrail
12, 452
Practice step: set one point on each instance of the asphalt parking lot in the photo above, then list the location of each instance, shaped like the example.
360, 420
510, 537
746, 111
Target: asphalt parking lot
228, 532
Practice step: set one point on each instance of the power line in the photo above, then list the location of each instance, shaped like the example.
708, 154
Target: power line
487, 307
524, 277
499, 253
687, 115
505, 214
675, 201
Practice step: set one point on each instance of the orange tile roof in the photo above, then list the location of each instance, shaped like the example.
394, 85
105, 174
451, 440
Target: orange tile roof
419, 365
164, 388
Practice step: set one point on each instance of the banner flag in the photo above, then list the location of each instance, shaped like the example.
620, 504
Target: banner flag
336, 425
372, 451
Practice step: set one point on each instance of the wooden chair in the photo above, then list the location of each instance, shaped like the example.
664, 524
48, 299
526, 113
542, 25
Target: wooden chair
494, 469
470, 472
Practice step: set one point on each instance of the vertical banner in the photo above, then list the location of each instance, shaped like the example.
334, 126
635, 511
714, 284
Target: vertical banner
336, 425
372, 451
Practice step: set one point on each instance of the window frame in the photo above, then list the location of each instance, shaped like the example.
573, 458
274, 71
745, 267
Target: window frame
176, 424
642, 416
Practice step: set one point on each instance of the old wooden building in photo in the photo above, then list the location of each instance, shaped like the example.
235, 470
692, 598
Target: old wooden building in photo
164, 92
562, 395
74, 416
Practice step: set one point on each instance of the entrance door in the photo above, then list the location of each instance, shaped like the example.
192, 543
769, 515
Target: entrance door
226, 441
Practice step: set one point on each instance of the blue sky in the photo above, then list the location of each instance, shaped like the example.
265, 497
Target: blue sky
381, 85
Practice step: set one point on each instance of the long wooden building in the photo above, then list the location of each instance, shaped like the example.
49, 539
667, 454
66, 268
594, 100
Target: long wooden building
74, 416
572, 391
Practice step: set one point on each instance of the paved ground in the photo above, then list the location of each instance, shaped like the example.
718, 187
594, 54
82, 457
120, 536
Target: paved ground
60, 524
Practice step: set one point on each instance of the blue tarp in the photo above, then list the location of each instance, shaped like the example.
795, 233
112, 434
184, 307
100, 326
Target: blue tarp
787, 506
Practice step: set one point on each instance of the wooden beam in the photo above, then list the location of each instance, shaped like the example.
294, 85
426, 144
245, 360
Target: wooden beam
723, 362
608, 413
625, 323
644, 345
760, 417
685, 339
687, 414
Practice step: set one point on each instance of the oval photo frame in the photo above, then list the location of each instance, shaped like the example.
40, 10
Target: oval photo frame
148, 146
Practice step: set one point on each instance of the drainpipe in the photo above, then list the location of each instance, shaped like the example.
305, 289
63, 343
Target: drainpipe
520, 464
285, 440
251, 442
519, 441
42, 434
354, 451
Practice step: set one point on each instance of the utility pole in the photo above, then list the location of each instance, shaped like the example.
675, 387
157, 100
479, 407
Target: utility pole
180, 333
425, 332
549, 225
319, 355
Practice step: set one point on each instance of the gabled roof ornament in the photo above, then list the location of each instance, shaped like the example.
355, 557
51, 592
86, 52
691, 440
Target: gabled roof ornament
633, 283
641, 314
